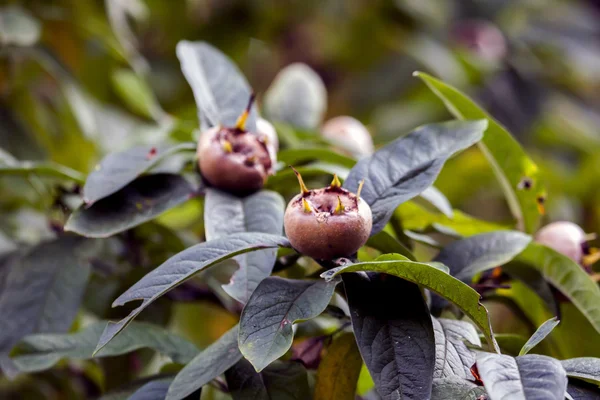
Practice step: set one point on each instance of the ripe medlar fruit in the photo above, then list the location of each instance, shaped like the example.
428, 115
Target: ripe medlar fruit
569, 239
327, 223
236, 160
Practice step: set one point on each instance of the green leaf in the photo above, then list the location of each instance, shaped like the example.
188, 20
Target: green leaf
136, 94
286, 178
280, 380
117, 170
585, 368
266, 322
206, 366
525, 377
437, 199
510, 343
42, 351
42, 288
452, 356
182, 267
386, 243
50, 169
567, 276
220, 89
18, 27
338, 372
539, 335
302, 155
431, 277
407, 166
297, 96
456, 389
142, 200
508, 160
225, 214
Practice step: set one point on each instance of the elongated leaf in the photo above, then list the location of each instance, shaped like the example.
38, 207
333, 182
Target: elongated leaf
220, 89
206, 366
567, 276
299, 156
337, 375
452, 356
266, 323
286, 178
117, 170
157, 390
511, 165
41, 289
27, 168
431, 277
583, 391
41, 351
539, 335
409, 165
136, 94
225, 214
529, 377
393, 330
586, 368
140, 201
297, 96
456, 389
475, 254
510, 343
280, 380
182, 267
437, 199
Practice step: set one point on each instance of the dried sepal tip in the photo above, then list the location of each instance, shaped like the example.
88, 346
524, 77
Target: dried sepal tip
226, 146
303, 189
241, 121
339, 209
306, 206
360, 186
335, 183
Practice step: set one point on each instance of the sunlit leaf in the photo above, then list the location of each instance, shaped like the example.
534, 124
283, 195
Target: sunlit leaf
539, 335
586, 368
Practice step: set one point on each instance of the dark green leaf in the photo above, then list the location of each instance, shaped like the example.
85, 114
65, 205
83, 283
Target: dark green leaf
528, 377
338, 372
456, 389
567, 276
295, 157
586, 368
297, 96
409, 165
225, 214
266, 323
117, 170
431, 277
220, 89
280, 380
206, 366
42, 351
510, 343
142, 200
508, 160
393, 330
42, 288
452, 356
386, 243
583, 391
182, 267
539, 335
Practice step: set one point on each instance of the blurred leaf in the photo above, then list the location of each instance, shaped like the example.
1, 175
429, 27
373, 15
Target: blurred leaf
510, 343
431, 277
386, 243
295, 157
567, 276
206, 366
286, 179
42, 351
220, 89
280, 380
136, 94
119, 14
394, 341
583, 391
452, 356
297, 96
438, 200
117, 170
409, 165
27, 168
524, 377
337, 375
539, 335
142, 200
266, 331
153, 390
41, 289
510, 163
18, 27
225, 214
456, 389
586, 368
182, 267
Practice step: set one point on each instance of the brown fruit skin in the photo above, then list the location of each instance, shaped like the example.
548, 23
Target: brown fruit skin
230, 172
325, 236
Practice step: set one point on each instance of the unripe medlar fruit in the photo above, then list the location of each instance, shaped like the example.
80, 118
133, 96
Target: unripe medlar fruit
349, 134
327, 223
569, 239
235, 160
